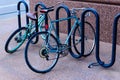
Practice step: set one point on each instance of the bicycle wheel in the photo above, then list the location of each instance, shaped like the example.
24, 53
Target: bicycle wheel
15, 40
42, 56
89, 39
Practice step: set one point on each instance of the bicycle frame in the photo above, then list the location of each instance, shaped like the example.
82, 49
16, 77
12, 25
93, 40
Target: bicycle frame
41, 19
51, 27
30, 26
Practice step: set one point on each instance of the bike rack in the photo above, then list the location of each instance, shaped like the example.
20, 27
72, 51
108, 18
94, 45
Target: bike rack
97, 28
97, 35
68, 21
36, 22
114, 41
19, 13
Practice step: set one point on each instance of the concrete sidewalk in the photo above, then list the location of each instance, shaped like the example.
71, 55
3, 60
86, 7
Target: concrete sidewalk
13, 67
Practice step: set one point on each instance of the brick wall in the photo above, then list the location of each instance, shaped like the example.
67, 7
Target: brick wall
107, 9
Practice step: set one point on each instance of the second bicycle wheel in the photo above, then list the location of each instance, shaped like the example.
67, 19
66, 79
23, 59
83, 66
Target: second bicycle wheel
42, 56
89, 39
16, 39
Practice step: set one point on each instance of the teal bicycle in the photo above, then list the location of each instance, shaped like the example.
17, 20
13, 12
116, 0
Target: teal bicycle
18, 37
43, 56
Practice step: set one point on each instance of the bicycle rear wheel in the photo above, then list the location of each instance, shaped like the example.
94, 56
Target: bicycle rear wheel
42, 56
15, 40
89, 39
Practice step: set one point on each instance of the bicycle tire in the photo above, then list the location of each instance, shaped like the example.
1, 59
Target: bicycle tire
89, 40
36, 54
16, 37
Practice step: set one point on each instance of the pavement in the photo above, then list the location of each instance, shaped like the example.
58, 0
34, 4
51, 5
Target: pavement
9, 8
13, 66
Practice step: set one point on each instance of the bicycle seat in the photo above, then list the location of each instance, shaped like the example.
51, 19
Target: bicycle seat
31, 16
46, 10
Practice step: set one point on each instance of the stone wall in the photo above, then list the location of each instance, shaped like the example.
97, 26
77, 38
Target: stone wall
107, 10
114, 2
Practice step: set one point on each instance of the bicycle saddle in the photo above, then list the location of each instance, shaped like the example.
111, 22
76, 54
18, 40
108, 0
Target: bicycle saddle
31, 16
46, 10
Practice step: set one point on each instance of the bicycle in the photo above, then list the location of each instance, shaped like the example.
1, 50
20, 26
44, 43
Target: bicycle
18, 37
50, 48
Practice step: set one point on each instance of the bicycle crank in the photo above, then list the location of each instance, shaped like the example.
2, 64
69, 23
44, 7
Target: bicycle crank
44, 53
63, 50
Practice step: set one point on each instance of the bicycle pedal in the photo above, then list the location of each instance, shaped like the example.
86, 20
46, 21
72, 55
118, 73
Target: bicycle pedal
18, 39
63, 50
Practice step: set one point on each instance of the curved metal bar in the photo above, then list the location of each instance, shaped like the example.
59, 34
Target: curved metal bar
36, 13
19, 13
68, 21
114, 37
97, 28
39, 4
114, 41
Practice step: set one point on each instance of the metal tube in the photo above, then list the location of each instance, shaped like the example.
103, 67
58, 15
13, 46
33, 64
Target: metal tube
97, 35
97, 28
68, 20
19, 13
114, 41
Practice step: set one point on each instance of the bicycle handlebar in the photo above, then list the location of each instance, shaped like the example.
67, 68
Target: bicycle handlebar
74, 10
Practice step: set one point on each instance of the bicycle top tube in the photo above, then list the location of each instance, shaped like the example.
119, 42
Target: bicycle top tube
74, 16
63, 19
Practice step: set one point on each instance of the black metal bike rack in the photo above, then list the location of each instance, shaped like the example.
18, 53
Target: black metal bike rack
114, 41
97, 40
19, 12
68, 22
97, 28
42, 5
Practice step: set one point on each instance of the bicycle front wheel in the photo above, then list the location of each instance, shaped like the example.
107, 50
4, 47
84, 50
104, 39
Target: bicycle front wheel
89, 39
15, 40
42, 56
